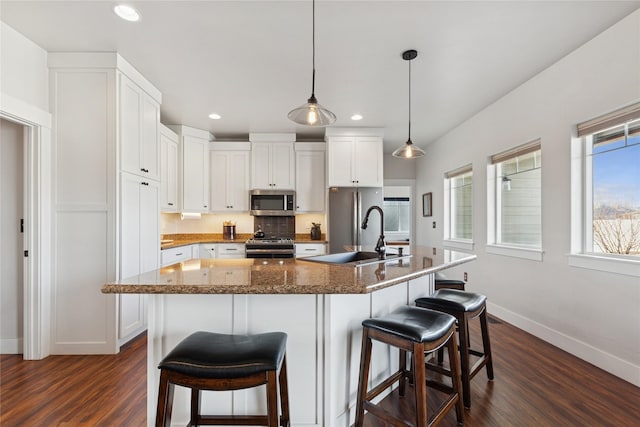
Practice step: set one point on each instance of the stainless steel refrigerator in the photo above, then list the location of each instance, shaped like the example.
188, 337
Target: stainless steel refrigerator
347, 207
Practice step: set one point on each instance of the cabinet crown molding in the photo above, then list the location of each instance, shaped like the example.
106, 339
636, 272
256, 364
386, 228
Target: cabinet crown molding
272, 137
334, 131
230, 146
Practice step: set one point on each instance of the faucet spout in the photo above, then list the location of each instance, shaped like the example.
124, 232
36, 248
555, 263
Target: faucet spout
381, 246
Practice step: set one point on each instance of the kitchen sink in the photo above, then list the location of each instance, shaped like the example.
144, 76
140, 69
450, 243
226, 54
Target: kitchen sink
352, 258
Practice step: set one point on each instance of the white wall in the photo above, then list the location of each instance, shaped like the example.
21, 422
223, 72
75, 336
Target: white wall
11, 277
395, 168
594, 315
23, 69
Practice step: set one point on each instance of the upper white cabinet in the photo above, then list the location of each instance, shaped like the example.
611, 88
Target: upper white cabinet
193, 186
354, 157
139, 119
229, 170
168, 170
310, 172
272, 161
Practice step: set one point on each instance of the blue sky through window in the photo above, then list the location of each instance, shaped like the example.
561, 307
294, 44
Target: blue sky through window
616, 176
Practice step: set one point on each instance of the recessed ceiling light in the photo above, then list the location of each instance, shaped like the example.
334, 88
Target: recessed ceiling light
356, 117
215, 116
126, 12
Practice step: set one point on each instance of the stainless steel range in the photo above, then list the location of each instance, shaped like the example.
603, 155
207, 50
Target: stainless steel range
270, 248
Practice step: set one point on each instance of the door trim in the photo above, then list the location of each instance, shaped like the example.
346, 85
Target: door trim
37, 215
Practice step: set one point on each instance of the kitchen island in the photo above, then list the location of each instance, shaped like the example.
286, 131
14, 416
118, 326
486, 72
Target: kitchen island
320, 306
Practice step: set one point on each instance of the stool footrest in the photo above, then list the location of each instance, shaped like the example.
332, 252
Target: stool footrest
399, 375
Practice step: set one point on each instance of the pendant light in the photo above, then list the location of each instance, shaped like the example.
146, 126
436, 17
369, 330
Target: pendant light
408, 150
312, 113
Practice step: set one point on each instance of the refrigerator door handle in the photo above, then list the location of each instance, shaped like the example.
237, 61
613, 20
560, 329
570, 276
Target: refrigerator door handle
358, 217
354, 218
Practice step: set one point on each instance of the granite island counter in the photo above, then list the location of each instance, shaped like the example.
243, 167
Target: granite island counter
320, 307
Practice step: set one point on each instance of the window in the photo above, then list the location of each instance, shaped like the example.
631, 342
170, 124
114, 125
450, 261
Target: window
515, 208
458, 190
606, 192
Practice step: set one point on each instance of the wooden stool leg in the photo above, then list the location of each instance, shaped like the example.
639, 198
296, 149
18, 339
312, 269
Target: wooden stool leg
165, 401
284, 394
195, 406
403, 368
464, 360
486, 343
420, 385
365, 360
452, 349
272, 399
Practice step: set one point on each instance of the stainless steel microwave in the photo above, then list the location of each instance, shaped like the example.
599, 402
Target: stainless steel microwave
272, 202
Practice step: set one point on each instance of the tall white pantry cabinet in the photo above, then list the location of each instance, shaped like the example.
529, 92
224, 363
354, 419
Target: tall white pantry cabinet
106, 196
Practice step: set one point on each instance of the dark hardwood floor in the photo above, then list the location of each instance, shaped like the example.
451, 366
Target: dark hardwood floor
535, 384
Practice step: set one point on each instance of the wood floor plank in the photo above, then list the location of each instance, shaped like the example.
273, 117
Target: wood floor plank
536, 385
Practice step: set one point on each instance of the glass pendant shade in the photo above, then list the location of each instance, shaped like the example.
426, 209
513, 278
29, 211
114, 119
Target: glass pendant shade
408, 151
312, 114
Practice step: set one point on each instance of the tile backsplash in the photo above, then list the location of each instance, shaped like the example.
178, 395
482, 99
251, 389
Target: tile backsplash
171, 223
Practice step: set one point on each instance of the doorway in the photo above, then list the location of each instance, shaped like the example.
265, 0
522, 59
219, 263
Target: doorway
399, 207
12, 150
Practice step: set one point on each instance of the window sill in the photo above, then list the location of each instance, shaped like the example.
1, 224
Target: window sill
604, 263
458, 244
516, 252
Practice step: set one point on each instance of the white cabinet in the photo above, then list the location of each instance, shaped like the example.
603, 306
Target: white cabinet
208, 250
168, 170
106, 115
139, 246
272, 161
231, 250
139, 117
310, 174
310, 249
193, 174
353, 159
179, 254
229, 169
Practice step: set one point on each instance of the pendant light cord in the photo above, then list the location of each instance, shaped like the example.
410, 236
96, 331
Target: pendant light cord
313, 47
409, 100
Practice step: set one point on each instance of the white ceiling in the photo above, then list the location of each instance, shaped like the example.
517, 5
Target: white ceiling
250, 61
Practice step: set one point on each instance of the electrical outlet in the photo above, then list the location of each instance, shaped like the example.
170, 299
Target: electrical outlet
465, 276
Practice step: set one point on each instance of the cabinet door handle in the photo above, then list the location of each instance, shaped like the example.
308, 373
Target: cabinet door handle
180, 254
144, 183
170, 204
310, 250
231, 249
144, 170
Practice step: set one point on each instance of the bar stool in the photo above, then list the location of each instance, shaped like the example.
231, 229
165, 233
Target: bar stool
443, 282
464, 306
210, 361
416, 331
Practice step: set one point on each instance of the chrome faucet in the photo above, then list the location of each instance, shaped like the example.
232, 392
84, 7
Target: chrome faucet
381, 247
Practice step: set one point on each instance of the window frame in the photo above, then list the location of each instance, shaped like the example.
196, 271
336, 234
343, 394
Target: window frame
448, 240
582, 197
494, 200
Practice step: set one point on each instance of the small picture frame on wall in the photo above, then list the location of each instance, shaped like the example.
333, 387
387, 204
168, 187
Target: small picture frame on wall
426, 204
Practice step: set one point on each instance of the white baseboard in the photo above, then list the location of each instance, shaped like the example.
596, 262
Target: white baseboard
11, 346
603, 360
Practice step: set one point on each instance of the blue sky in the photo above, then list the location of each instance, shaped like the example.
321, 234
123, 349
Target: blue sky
616, 177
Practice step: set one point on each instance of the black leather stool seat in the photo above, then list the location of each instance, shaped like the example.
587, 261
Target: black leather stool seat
452, 299
211, 355
412, 323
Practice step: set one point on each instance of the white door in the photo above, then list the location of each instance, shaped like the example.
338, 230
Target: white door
340, 160
194, 174
238, 181
260, 167
283, 165
310, 172
218, 200
11, 238
368, 162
